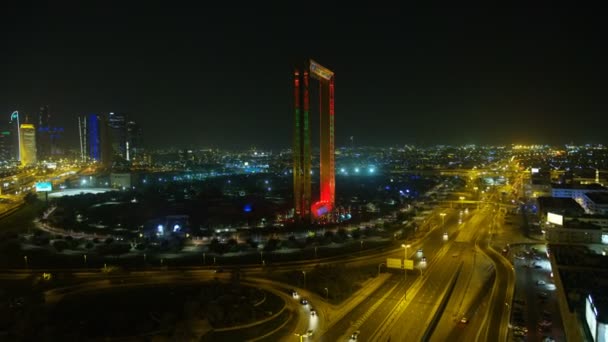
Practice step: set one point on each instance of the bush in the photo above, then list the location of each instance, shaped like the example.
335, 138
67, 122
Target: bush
60, 245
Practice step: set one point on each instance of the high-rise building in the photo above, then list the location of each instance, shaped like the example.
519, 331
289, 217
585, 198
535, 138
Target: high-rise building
43, 136
27, 144
117, 123
95, 139
134, 142
6, 144
14, 140
301, 143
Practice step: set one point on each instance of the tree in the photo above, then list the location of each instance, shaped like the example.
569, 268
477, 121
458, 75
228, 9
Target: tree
271, 245
60, 245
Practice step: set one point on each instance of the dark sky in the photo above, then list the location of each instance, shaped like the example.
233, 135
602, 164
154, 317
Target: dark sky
221, 76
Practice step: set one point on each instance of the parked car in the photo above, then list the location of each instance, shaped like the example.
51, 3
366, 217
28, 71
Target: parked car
304, 301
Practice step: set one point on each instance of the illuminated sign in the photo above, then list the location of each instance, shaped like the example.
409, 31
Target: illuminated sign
591, 317
409, 264
44, 186
604, 238
534, 170
393, 263
320, 71
555, 219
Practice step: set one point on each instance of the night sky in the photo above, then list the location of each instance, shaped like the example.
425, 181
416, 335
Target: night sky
221, 77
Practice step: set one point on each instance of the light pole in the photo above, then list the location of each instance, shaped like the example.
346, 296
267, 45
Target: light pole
442, 219
326, 294
301, 336
304, 273
315, 252
262, 256
405, 248
85, 258
25, 259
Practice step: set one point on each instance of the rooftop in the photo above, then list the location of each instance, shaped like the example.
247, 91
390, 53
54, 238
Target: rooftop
598, 197
563, 206
593, 186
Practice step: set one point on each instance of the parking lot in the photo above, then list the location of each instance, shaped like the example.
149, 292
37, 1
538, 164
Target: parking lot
534, 312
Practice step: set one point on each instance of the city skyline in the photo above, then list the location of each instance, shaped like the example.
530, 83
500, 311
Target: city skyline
452, 76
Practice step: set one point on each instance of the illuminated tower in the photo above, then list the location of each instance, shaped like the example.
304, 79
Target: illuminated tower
27, 144
95, 139
302, 150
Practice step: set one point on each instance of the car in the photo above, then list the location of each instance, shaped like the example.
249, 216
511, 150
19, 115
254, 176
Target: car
420, 251
313, 312
540, 282
537, 265
309, 332
423, 259
355, 335
304, 301
464, 320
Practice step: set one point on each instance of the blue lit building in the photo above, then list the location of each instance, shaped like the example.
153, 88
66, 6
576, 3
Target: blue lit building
94, 139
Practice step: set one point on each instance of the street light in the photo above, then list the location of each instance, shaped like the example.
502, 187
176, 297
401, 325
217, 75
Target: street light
326, 294
25, 259
405, 248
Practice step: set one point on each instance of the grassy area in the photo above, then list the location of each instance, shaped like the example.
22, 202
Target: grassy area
123, 312
21, 221
341, 282
249, 333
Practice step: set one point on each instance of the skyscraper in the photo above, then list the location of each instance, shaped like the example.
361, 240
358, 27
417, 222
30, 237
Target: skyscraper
27, 144
117, 123
43, 137
6, 144
94, 139
134, 142
301, 149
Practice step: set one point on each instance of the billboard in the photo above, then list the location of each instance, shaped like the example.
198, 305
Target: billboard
555, 219
44, 186
393, 263
409, 264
